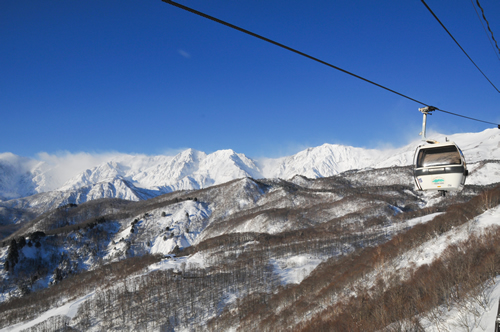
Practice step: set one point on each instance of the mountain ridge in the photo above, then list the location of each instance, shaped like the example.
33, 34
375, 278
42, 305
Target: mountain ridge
191, 169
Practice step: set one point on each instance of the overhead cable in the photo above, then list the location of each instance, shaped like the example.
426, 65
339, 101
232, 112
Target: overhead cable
488, 24
286, 47
194, 11
449, 33
468, 117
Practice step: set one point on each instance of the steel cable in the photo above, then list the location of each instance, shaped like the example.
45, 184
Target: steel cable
194, 11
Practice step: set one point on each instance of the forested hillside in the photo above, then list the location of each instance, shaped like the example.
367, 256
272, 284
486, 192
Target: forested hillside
341, 253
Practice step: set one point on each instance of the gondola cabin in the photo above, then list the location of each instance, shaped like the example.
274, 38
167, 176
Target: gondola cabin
439, 166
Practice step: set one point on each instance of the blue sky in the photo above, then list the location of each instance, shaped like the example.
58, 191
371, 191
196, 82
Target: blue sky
147, 77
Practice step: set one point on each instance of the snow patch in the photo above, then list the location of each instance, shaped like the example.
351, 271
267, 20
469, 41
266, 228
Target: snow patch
69, 310
293, 270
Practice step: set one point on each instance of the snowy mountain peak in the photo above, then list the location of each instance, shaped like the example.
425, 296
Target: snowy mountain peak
326, 160
107, 171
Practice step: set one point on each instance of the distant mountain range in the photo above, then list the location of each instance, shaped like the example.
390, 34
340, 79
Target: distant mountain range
138, 177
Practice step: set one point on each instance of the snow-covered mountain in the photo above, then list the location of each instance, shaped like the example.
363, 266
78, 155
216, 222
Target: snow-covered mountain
271, 243
280, 240
122, 175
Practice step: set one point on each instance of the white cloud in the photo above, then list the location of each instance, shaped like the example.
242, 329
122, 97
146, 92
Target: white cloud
184, 54
75, 160
58, 168
173, 152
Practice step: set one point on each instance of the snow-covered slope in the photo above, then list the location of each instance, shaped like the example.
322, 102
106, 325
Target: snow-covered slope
191, 169
180, 220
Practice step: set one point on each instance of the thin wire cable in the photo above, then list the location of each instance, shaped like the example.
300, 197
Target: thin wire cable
310, 57
467, 117
449, 33
287, 48
487, 24
484, 28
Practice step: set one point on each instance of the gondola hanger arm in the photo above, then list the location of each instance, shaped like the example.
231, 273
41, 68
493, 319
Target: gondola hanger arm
425, 111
